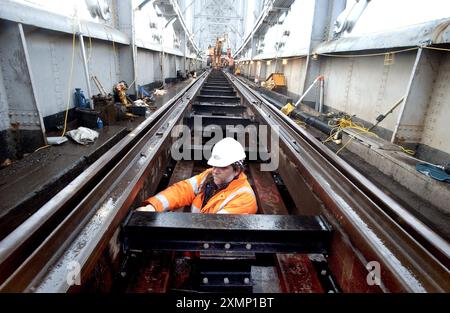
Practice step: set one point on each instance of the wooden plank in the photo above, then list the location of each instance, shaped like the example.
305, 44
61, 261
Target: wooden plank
268, 196
297, 274
154, 274
295, 271
182, 171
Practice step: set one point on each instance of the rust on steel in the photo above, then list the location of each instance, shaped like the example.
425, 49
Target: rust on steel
411, 256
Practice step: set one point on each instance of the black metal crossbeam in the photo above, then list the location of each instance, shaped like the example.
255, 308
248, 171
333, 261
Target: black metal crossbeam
222, 121
219, 233
225, 99
218, 109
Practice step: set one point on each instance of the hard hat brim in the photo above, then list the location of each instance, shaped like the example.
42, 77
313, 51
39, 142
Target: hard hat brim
218, 163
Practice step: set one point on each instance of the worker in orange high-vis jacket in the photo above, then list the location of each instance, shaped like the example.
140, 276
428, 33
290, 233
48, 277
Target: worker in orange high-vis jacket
222, 189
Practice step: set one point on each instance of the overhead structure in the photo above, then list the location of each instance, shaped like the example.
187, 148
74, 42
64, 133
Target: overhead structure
170, 9
219, 19
272, 11
348, 18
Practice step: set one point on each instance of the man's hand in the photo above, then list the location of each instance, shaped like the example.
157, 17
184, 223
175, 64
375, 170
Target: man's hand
147, 208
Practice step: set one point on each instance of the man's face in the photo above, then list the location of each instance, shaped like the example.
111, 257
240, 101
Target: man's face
121, 86
223, 175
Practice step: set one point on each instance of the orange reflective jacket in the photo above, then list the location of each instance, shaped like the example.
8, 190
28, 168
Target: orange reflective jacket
237, 198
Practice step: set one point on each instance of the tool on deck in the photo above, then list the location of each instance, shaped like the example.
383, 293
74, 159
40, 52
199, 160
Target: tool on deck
288, 108
99, 86
445, 168
381, 117
438, 172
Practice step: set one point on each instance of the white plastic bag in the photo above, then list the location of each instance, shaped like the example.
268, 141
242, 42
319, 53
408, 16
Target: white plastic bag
83, 135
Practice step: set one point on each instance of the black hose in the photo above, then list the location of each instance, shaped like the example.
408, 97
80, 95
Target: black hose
304, 117
314, 122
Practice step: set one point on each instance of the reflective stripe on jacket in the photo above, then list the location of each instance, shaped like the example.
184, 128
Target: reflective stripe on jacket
237, 198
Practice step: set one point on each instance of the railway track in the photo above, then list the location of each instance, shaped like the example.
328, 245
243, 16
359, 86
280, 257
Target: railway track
342, 233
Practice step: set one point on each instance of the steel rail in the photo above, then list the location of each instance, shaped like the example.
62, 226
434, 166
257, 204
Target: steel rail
413, 257
147, 138
421, 232
417, 258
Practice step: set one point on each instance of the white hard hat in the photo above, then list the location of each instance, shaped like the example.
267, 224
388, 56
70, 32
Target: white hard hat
226, 152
